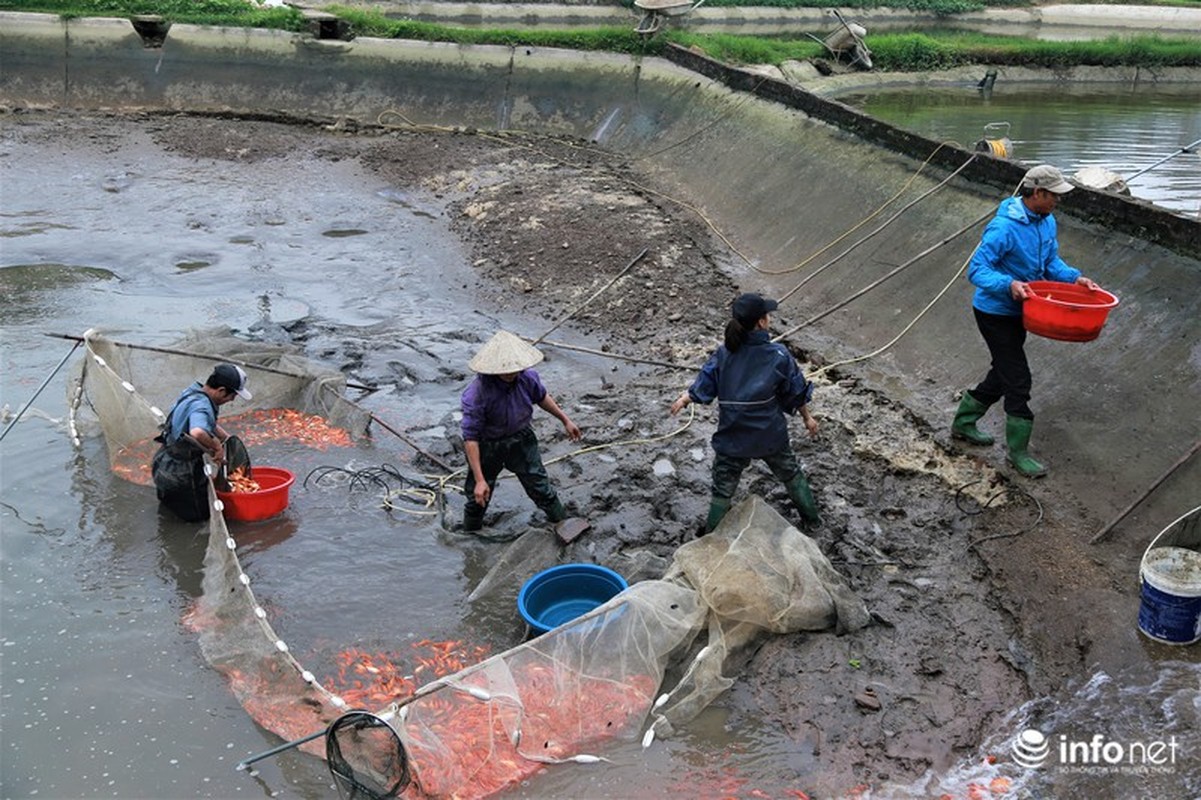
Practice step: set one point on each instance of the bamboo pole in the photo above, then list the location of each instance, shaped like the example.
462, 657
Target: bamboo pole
174, 352
1138, 500
406, 440
946, 240
595, 295
631, 359
41, 388
1188, 148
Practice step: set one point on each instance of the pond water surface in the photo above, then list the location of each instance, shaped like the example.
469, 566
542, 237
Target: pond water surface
1118, 127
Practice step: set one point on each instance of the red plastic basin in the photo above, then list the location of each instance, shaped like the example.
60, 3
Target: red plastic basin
1068, 312
269, 500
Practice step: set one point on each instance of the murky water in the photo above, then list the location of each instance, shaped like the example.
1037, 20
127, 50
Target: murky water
103, 690
1126, 129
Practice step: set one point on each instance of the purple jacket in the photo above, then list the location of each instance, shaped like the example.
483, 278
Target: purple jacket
494, 409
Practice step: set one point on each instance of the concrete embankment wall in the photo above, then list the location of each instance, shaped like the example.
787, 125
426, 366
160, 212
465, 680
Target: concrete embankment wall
779, 173
1043, 21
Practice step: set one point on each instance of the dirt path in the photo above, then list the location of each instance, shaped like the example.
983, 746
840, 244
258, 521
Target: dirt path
963, 634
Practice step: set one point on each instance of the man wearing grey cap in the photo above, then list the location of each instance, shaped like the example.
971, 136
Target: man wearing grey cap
1019, 245
189, 432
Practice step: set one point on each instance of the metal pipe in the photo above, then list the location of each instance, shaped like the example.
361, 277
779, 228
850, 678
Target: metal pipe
1185, 149
246, 762
392, 711
45, 383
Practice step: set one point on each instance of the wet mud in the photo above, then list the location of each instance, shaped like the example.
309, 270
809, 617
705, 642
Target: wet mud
955, 560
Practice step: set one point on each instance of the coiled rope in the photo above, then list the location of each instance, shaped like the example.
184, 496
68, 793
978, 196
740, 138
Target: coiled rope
973, 543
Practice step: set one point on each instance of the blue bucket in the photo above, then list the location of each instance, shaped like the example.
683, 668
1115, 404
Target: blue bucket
560, 594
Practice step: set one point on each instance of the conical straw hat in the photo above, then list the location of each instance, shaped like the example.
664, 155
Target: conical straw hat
504, 353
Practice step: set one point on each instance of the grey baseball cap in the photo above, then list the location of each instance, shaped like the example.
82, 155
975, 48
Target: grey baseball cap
1045, 176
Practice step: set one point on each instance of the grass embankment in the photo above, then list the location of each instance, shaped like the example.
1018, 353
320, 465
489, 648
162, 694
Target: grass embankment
232, 13
902, 52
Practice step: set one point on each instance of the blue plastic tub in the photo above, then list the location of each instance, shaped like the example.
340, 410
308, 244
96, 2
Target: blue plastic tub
560, 594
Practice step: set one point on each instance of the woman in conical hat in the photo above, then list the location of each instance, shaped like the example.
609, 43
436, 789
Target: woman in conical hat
504, 353
498, 408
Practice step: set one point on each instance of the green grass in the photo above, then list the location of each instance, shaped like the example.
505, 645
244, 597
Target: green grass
902, 52
200, 12
617, 40
907, 52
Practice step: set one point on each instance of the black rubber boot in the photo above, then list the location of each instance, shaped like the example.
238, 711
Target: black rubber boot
802, 497
964, 427
472, 522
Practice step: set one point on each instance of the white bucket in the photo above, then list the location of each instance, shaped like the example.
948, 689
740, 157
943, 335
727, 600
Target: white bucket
1170, 607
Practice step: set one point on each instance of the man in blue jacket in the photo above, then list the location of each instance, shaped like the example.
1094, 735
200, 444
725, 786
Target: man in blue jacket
1019, 245
190, 432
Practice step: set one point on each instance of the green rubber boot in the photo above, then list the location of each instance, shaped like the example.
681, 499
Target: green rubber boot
718, 506
802, 497
556, 513
964, 427
1017, 437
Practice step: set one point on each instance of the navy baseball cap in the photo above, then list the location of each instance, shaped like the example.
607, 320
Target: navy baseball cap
750, 308
229, 376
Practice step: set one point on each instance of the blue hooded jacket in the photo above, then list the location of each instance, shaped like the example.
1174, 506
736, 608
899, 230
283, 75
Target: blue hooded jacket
754, 387
1017, 245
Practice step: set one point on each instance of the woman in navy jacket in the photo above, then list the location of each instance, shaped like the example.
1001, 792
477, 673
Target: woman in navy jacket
756, 382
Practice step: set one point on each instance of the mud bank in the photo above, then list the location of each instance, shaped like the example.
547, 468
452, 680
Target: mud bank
622, 155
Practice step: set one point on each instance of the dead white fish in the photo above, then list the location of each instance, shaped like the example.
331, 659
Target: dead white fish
584, 758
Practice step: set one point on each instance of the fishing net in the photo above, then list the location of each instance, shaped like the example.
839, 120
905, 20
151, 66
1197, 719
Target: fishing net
122, 391
641, 665
359, 734
129, 388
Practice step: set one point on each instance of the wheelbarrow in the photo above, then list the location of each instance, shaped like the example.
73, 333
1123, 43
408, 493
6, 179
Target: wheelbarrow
654, 12
846, 42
